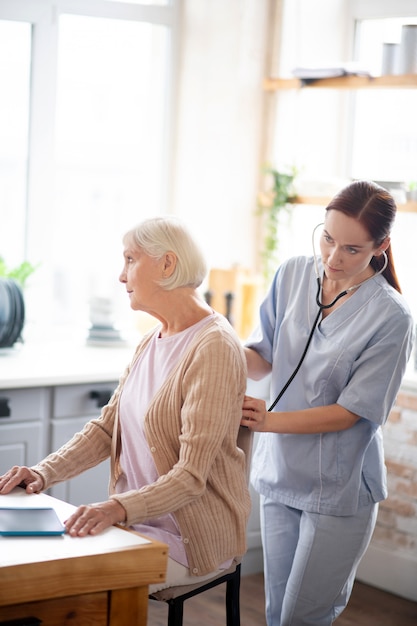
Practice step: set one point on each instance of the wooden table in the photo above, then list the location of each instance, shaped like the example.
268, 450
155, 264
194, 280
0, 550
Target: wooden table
94, 581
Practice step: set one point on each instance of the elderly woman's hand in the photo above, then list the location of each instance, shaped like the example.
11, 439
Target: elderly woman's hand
94, 518
20, 476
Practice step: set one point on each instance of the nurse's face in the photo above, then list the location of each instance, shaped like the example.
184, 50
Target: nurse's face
346, 249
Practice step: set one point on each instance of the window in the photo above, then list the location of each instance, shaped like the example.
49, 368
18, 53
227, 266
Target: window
109, 148
384, 145
15, 43
85, 135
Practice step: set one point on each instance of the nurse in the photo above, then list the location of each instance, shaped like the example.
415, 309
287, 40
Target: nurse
319, 461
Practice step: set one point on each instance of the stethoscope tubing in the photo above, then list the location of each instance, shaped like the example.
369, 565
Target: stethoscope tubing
293, 375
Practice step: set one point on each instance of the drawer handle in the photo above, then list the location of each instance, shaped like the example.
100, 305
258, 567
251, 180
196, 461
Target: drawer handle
102, 396
4, 407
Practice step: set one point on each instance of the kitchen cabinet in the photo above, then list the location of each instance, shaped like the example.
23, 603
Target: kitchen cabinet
72, 407
36, 421
22, 416
20, 444
47, 394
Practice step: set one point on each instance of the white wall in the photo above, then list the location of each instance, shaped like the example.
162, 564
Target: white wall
219, 135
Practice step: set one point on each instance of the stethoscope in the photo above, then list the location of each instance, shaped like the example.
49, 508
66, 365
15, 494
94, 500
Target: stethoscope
322, 307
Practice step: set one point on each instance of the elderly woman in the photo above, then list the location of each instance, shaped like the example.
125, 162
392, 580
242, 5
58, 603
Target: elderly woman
171, 426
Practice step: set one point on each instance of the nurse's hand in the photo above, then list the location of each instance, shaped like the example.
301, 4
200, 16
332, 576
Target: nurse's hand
20, 476
94, 518
254, 414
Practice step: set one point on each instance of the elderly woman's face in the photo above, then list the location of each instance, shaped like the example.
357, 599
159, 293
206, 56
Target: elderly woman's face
140, 274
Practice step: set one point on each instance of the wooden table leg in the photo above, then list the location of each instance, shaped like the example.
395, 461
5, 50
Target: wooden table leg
128, 606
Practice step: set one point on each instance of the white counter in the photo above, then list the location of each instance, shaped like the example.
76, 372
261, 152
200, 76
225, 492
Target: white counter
66, 363
43, 365
16, 550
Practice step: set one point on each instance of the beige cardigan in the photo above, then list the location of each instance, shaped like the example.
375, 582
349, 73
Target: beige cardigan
191, 427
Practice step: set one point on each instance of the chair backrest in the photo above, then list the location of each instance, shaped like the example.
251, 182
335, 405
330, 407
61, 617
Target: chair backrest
245, 443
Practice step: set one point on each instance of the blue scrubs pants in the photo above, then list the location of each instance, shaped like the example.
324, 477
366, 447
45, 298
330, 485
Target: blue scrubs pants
310, 562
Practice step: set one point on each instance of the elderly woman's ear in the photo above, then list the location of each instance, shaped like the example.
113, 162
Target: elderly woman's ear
169, 264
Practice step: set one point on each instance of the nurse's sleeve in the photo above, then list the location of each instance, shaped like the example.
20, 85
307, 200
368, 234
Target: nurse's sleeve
377, 373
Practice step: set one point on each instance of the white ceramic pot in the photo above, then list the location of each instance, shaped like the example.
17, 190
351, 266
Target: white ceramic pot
408, 49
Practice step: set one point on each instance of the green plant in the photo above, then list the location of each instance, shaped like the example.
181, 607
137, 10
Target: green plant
275, 200
411, 191
20, 273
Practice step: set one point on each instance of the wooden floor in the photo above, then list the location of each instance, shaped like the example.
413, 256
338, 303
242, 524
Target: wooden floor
367, 607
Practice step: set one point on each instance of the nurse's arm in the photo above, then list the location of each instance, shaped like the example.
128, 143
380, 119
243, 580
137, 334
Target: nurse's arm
322, 419
257, 366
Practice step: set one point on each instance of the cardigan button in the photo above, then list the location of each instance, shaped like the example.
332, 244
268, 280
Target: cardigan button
195, 570
153, 449
186, 540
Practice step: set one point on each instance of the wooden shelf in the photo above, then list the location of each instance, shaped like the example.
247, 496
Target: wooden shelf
406, 81
409, 207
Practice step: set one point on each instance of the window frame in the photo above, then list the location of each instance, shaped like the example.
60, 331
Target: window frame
43, 15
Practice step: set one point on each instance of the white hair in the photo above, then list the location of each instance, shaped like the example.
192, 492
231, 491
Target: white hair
158, 235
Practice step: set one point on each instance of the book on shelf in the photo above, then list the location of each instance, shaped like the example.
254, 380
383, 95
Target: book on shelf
311, 73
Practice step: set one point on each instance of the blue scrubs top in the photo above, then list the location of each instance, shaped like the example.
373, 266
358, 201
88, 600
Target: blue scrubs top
356, 359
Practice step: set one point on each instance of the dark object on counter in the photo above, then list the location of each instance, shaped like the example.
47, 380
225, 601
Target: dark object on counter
229, 296
12, 312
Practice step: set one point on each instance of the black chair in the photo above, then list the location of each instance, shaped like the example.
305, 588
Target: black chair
176, 596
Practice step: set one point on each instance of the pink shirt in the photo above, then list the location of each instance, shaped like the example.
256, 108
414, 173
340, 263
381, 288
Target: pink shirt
148, 374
